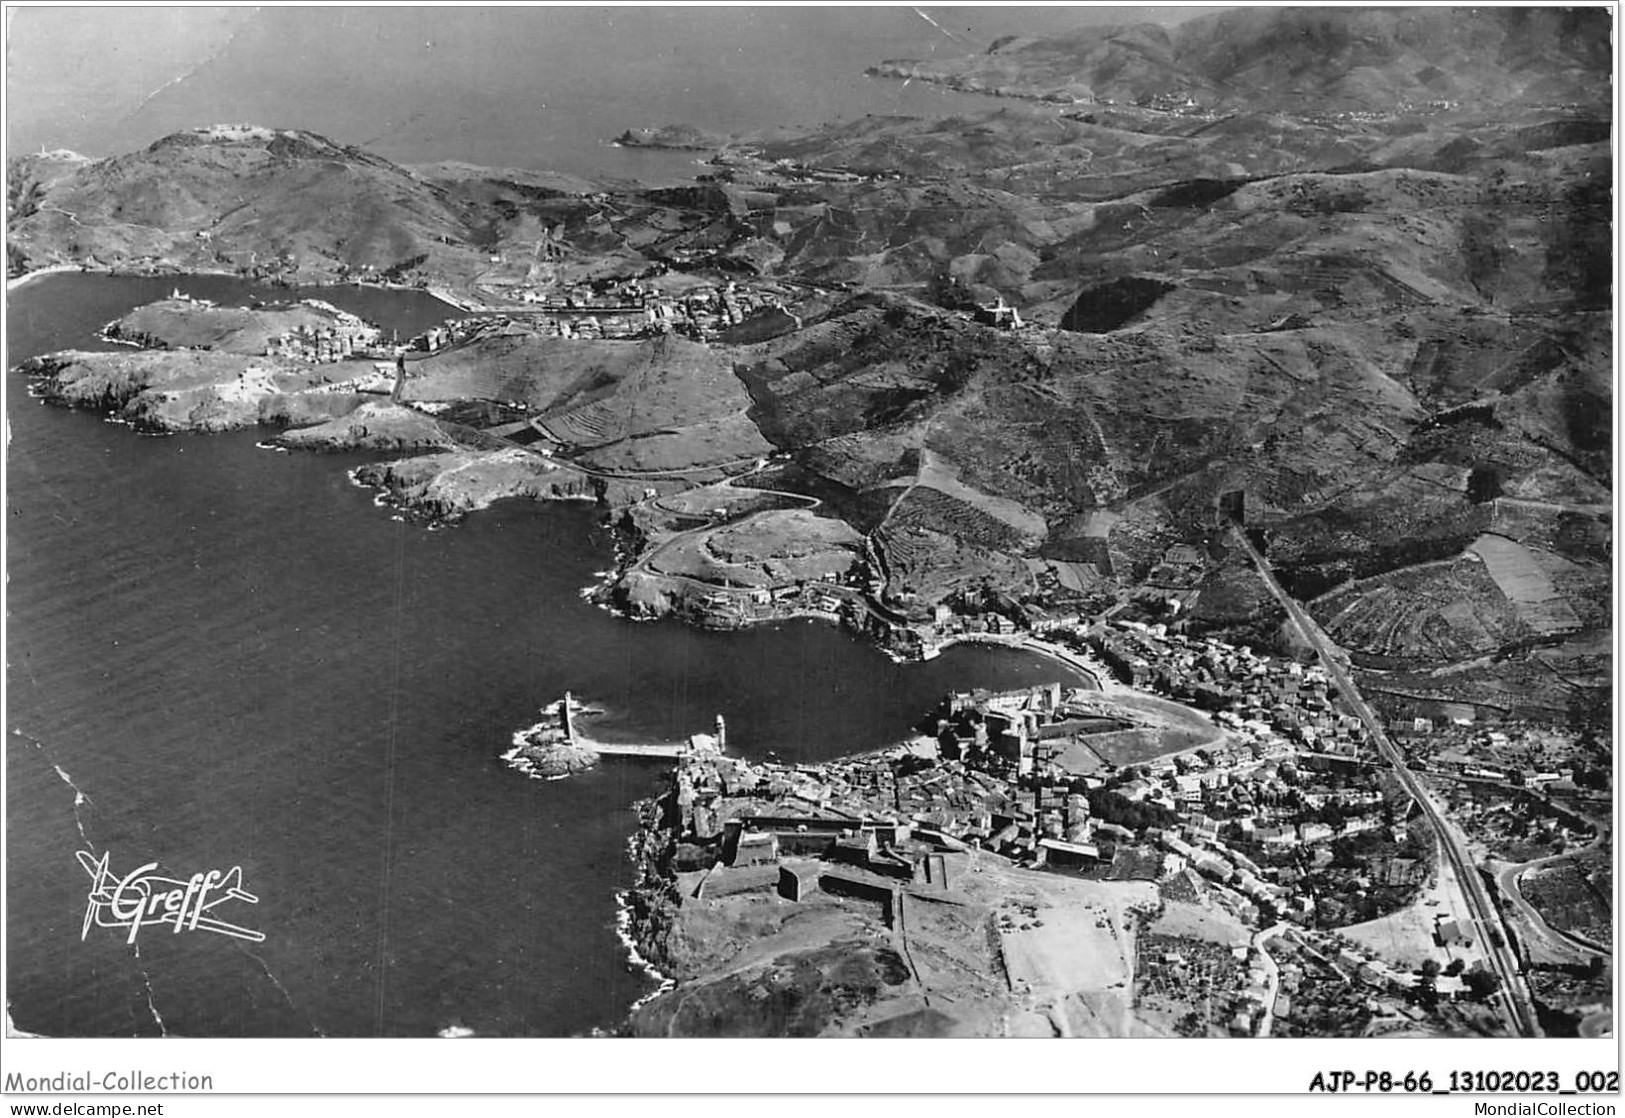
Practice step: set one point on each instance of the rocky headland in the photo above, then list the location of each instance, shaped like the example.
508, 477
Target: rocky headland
158, 391
185, 323
372, 425
455, 482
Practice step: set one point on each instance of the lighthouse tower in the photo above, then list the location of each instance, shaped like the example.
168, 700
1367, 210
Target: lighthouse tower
565, 715
722, 735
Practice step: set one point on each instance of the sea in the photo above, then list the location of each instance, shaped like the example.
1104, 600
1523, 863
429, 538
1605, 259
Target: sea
222, 656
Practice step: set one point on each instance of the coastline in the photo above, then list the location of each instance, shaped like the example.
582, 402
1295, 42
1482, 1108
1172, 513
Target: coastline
664, 983
696, 953
444, 294
15, 282
602, 589
1065, 656
645, 909
421, 510
642, 914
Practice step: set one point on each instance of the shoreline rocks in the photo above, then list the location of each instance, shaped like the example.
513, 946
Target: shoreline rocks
459, 481
374, 425
159, 390
549, 759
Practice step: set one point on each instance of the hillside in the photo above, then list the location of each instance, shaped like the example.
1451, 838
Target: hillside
274, 203
627, 408
1253, 59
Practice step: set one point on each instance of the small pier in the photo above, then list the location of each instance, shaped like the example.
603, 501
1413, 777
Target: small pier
661, 749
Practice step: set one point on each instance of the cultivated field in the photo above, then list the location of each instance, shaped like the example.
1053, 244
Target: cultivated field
1575, 896
1518, 573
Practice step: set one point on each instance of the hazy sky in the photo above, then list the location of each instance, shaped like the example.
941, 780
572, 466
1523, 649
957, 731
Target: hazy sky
488, 85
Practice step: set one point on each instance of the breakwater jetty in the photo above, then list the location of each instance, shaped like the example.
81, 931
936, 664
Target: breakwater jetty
555, 747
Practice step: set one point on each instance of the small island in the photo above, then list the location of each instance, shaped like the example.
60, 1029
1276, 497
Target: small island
673, 137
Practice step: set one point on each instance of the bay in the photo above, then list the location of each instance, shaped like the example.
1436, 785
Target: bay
220, 655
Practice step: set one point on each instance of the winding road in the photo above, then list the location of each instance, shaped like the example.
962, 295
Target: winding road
1558, 940
1272, 971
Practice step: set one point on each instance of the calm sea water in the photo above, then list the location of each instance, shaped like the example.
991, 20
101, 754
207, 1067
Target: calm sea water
526, 86
221, 656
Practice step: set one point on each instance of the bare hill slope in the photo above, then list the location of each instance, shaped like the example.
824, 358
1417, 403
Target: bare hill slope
1298, 58
274, 202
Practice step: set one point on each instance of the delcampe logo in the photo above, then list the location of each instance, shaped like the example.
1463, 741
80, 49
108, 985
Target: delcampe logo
142, 898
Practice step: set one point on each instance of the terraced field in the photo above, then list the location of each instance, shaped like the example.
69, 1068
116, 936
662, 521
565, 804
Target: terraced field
1518, 572
591, 424
1447, 611
925, 507
1575, 896
926, 566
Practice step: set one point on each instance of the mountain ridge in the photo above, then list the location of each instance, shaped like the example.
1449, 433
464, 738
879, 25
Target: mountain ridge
1372, 59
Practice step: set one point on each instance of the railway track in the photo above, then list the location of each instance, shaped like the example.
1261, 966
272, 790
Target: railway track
1513, 998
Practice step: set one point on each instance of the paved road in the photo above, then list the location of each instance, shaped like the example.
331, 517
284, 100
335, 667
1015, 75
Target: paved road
1556, 938
1273, 970
1513, 997
646, 562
